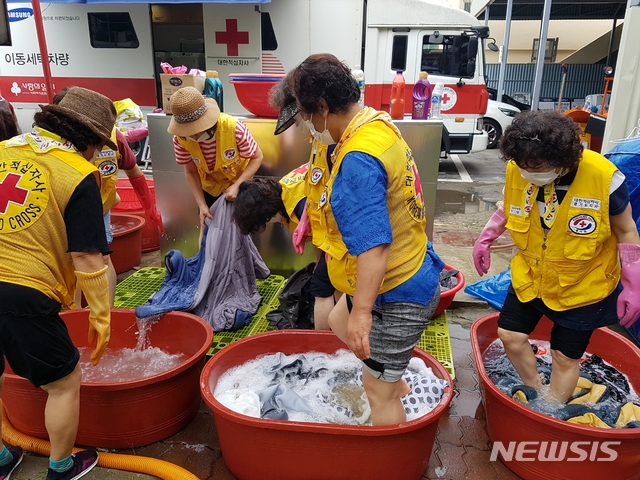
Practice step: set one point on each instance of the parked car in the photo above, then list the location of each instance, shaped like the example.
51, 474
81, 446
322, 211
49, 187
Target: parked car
493, 95
498, 117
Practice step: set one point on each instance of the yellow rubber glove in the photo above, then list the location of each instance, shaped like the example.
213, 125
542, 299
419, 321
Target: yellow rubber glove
95, 287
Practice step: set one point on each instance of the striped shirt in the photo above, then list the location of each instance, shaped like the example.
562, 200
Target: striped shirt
245, 143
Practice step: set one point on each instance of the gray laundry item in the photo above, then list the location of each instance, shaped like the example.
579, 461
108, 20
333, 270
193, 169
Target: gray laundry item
276, 399
231, 265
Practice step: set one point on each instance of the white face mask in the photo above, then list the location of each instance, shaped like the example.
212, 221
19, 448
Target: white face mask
539, 178
325, 137
202, 138
96, 153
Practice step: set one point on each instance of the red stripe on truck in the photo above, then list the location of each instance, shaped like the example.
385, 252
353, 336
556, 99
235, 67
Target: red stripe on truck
471, 99
33, 89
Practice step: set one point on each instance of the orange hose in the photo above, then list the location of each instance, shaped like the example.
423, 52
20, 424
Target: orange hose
117, 461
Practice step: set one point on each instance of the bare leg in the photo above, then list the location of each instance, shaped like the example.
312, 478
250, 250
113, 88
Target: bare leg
384, 398
62, 412
564, 376
321, 310
338, 318
521, 356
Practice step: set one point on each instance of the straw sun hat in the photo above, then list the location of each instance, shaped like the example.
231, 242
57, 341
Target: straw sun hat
192, 112
92, 109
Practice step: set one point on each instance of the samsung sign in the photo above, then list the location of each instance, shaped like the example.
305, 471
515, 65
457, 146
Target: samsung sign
17, 14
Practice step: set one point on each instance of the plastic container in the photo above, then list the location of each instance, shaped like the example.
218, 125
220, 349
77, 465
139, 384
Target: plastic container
127, 241
257, 449
397, 96
446, 297
358, 74
436, 101
213, 88
422, 92
503, 413
130, 204
253, 90
125, 414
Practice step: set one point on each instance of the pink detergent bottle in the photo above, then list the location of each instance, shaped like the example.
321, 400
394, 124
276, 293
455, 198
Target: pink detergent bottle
422, 91
397, 96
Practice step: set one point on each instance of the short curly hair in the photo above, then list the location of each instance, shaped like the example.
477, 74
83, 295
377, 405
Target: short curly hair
323, 76
537, 138
258, 201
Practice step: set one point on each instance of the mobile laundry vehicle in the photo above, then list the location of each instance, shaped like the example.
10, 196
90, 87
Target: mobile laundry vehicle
116, 49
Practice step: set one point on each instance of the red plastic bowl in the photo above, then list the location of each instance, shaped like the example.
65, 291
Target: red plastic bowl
130, 204
446, 298
127, 241
126, 414
509, 421
257, 449
253, 93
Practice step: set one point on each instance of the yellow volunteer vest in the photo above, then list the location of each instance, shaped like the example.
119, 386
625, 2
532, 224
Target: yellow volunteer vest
317, 179
35, 187
578, 263
229, 164
107, 164
373, 133
293, 190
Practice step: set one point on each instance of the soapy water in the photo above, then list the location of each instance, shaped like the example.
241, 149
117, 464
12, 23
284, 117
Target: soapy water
332, 389
129, 364
498, 368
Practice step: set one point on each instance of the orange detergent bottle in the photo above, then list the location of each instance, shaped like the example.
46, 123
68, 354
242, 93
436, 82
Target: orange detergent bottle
397, 97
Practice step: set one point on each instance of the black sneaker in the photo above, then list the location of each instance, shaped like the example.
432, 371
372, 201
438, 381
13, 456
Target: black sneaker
83, 462
7, 470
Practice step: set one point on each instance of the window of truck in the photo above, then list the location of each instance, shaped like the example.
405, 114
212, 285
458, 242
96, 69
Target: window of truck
112, 30
399, 52
449, 55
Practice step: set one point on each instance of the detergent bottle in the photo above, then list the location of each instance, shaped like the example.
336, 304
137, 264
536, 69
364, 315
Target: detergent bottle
421, 98
213, 87
436, 101
358, 74
397, 97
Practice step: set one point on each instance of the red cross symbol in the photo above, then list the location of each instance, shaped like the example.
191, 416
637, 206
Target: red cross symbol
445, 99
232, 37
301, 169
9, 192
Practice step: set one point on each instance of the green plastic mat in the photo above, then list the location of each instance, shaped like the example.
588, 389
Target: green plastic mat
136, 290
436, 341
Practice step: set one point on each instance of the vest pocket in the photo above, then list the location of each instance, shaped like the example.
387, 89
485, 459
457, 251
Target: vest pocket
521, 274
583, 228
580, 283
519, 229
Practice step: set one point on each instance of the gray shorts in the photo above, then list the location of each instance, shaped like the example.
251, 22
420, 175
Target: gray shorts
107, 226
395, 331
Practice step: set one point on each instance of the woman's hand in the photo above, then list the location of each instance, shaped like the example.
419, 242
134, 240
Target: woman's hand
204, 213
232, 192
358, 330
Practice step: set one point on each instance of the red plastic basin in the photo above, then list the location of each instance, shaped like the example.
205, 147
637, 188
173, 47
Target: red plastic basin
130, 204
257, 449
127, 414
509, 421
446, 298
127, 240
253, 93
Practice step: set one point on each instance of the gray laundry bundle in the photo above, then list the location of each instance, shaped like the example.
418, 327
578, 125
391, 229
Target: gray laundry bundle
231, 265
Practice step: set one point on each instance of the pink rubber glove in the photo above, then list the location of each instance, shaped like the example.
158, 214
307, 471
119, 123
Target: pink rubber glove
629, 299
151, 213
136, 134
492, 230
301, 233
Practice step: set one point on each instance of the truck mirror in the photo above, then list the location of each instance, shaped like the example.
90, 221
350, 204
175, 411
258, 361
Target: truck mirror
472, 49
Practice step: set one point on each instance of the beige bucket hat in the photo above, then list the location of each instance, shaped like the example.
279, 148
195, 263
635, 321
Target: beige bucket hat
192, 112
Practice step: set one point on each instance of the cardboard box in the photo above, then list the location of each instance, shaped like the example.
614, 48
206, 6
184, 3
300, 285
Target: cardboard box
173, 83
161, 13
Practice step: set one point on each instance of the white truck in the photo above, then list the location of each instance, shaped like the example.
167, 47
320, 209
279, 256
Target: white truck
116, 49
